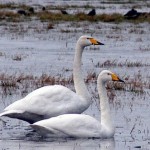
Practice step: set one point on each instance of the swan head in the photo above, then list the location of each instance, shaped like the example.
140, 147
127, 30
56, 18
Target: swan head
107, 75
87, 41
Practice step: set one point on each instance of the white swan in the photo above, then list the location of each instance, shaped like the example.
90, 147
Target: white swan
50, 101
79, 125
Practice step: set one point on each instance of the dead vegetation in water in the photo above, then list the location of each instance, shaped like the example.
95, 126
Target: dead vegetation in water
137, 31
144, 48
50, 26
17, 57
2, 54
115, 63
24, 84
134, 84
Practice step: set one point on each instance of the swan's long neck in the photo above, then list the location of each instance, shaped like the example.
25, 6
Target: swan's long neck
106, 120
79, 83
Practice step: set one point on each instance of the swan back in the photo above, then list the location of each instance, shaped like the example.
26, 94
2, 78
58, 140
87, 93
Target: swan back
72, 125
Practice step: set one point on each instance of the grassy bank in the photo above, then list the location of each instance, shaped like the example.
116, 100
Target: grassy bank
8, 12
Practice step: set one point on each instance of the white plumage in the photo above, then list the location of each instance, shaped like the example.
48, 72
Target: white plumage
79, 125
50, 101
68, 125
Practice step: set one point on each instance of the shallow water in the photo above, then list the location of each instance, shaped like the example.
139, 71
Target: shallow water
65, 144
51, 52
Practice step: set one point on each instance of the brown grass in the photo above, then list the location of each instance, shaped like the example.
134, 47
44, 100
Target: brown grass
25, 83
115, 17
51, 16
9, 16
115, 63
14, 6
50, 26
81, 16
17, 57
134, 84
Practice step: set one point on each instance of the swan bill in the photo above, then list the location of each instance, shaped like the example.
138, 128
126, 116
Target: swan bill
116, 78
95, 42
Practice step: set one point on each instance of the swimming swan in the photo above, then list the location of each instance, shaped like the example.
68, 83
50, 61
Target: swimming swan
50, 101
80, 125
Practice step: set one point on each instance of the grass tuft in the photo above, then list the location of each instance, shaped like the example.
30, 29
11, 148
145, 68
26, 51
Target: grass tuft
50, 26
9, 16
115, 63
23, 84
81, 16
115, 17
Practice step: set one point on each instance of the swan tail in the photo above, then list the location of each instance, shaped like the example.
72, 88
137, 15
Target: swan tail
23, 115
11, 113
41, 130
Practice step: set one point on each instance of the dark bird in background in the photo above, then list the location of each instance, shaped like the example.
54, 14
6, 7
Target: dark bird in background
64, 12
43, 8
132, 14
31, 10
22, 12
92, 13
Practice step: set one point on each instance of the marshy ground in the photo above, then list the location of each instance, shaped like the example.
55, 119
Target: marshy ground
38, 50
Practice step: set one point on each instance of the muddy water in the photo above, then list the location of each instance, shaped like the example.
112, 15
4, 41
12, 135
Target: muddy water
51, 52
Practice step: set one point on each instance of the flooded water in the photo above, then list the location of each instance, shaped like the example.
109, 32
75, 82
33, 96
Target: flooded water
81, 144
51, 52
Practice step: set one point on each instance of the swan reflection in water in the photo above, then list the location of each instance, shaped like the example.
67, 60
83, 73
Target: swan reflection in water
59, 144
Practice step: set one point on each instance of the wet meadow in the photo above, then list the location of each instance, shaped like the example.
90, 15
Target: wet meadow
37, 49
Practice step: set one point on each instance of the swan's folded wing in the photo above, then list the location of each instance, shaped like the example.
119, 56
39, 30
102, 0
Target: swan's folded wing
42, 130
48, 132
11, 112
49, 101
72, 125
23, 115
